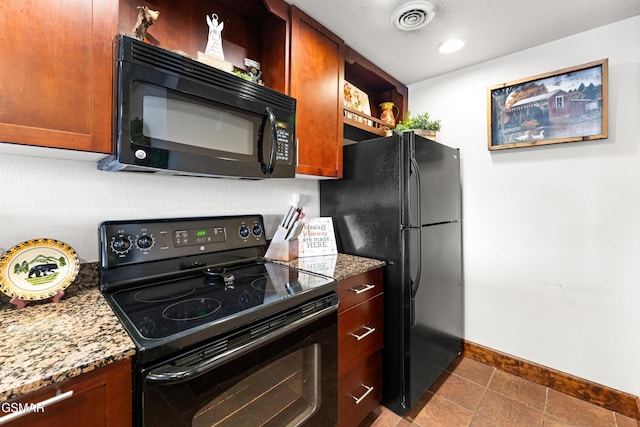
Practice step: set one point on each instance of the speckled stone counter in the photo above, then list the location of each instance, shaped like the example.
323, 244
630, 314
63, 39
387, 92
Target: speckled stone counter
46, 342
341, 266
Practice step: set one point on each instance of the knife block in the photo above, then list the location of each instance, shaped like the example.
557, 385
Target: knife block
281, 249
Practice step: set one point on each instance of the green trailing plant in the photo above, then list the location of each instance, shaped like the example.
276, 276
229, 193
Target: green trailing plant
242, 75
421, 121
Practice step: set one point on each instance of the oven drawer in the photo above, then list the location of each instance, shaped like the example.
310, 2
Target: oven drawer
360, 391
360, 332
357, 289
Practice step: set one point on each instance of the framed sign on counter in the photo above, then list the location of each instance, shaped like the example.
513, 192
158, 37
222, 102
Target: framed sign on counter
317, 238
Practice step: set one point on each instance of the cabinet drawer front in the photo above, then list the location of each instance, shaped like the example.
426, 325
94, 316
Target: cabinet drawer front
360, 391
360, 333
99, 397
356, 289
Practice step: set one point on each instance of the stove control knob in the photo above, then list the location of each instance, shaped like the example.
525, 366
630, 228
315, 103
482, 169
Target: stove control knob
144, 242
244, 231
257, 230
121, 245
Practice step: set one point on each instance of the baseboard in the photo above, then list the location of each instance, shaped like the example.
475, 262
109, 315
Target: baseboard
615, 400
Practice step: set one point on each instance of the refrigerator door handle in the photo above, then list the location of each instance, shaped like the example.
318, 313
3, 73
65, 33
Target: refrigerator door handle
414, 171
415, 282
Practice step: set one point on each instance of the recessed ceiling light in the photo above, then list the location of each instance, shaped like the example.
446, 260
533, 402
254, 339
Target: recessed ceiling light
451, 46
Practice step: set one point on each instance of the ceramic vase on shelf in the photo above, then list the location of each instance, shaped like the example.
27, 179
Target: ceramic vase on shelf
388, 114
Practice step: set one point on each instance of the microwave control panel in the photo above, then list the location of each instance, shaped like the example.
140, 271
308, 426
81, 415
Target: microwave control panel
283, 144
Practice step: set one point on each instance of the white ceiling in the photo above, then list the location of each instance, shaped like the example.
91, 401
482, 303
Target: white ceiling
492, 28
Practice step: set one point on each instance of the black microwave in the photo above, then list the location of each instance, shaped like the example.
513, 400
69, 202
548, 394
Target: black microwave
178, 116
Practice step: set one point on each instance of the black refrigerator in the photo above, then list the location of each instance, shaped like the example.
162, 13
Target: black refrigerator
400, 201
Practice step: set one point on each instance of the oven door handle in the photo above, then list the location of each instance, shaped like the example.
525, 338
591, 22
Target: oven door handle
176, 374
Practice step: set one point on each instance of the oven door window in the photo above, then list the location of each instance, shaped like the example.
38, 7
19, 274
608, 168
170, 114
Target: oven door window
289, 381
285, 392
171, 120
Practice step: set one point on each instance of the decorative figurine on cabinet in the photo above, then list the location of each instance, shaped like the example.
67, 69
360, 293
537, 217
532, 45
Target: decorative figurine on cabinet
214, 43
254, 70
213, 54
146, 18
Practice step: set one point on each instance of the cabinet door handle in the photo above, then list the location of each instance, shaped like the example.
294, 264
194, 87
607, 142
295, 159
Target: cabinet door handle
28, 408
359, 337
365, 288
366, 393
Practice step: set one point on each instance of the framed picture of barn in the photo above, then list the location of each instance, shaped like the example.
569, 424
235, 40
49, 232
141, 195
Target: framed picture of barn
567, 105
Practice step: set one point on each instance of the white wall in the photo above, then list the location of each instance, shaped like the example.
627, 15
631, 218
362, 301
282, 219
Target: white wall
552, 233
67, 199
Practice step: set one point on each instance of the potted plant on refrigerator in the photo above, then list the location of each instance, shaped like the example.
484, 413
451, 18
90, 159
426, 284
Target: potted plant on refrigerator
420, 124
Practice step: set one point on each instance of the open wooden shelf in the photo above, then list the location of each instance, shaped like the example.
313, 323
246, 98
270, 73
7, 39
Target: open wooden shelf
380, 87
371, 126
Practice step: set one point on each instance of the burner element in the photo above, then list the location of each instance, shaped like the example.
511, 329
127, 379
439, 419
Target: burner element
191, 309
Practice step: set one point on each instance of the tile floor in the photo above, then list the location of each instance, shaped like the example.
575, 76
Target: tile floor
474, 394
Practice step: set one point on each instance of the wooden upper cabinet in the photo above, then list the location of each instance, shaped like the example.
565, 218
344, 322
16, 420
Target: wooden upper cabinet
55, 73
317, 75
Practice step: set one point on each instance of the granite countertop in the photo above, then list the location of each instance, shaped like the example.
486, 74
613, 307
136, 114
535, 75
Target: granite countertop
341, 266
46, 342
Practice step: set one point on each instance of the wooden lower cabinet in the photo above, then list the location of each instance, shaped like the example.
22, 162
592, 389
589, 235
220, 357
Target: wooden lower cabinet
360, 340
360, 332
99, 398
360, 391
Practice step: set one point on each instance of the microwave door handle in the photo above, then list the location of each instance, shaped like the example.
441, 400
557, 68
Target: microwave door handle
267, 169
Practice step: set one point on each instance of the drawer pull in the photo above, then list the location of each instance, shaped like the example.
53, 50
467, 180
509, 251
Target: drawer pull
363, 289
359, 337
366, 393
28, 408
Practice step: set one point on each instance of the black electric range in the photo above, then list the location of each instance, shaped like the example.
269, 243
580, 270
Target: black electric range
178, 283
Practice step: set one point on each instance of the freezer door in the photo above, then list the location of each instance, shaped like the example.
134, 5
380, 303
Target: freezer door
436, 309
366, 203
435, 186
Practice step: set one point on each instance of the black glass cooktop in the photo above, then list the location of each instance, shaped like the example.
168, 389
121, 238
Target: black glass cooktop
178, 283
213, 298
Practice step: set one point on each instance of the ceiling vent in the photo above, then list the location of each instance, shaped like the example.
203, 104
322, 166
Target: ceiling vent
413, 15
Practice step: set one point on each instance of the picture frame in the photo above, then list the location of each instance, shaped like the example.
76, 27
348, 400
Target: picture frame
358, 100
566, 105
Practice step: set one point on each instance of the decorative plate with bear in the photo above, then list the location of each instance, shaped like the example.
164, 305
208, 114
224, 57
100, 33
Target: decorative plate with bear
37, 269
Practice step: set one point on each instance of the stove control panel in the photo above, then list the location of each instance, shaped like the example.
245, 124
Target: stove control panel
199, 236
131, 242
